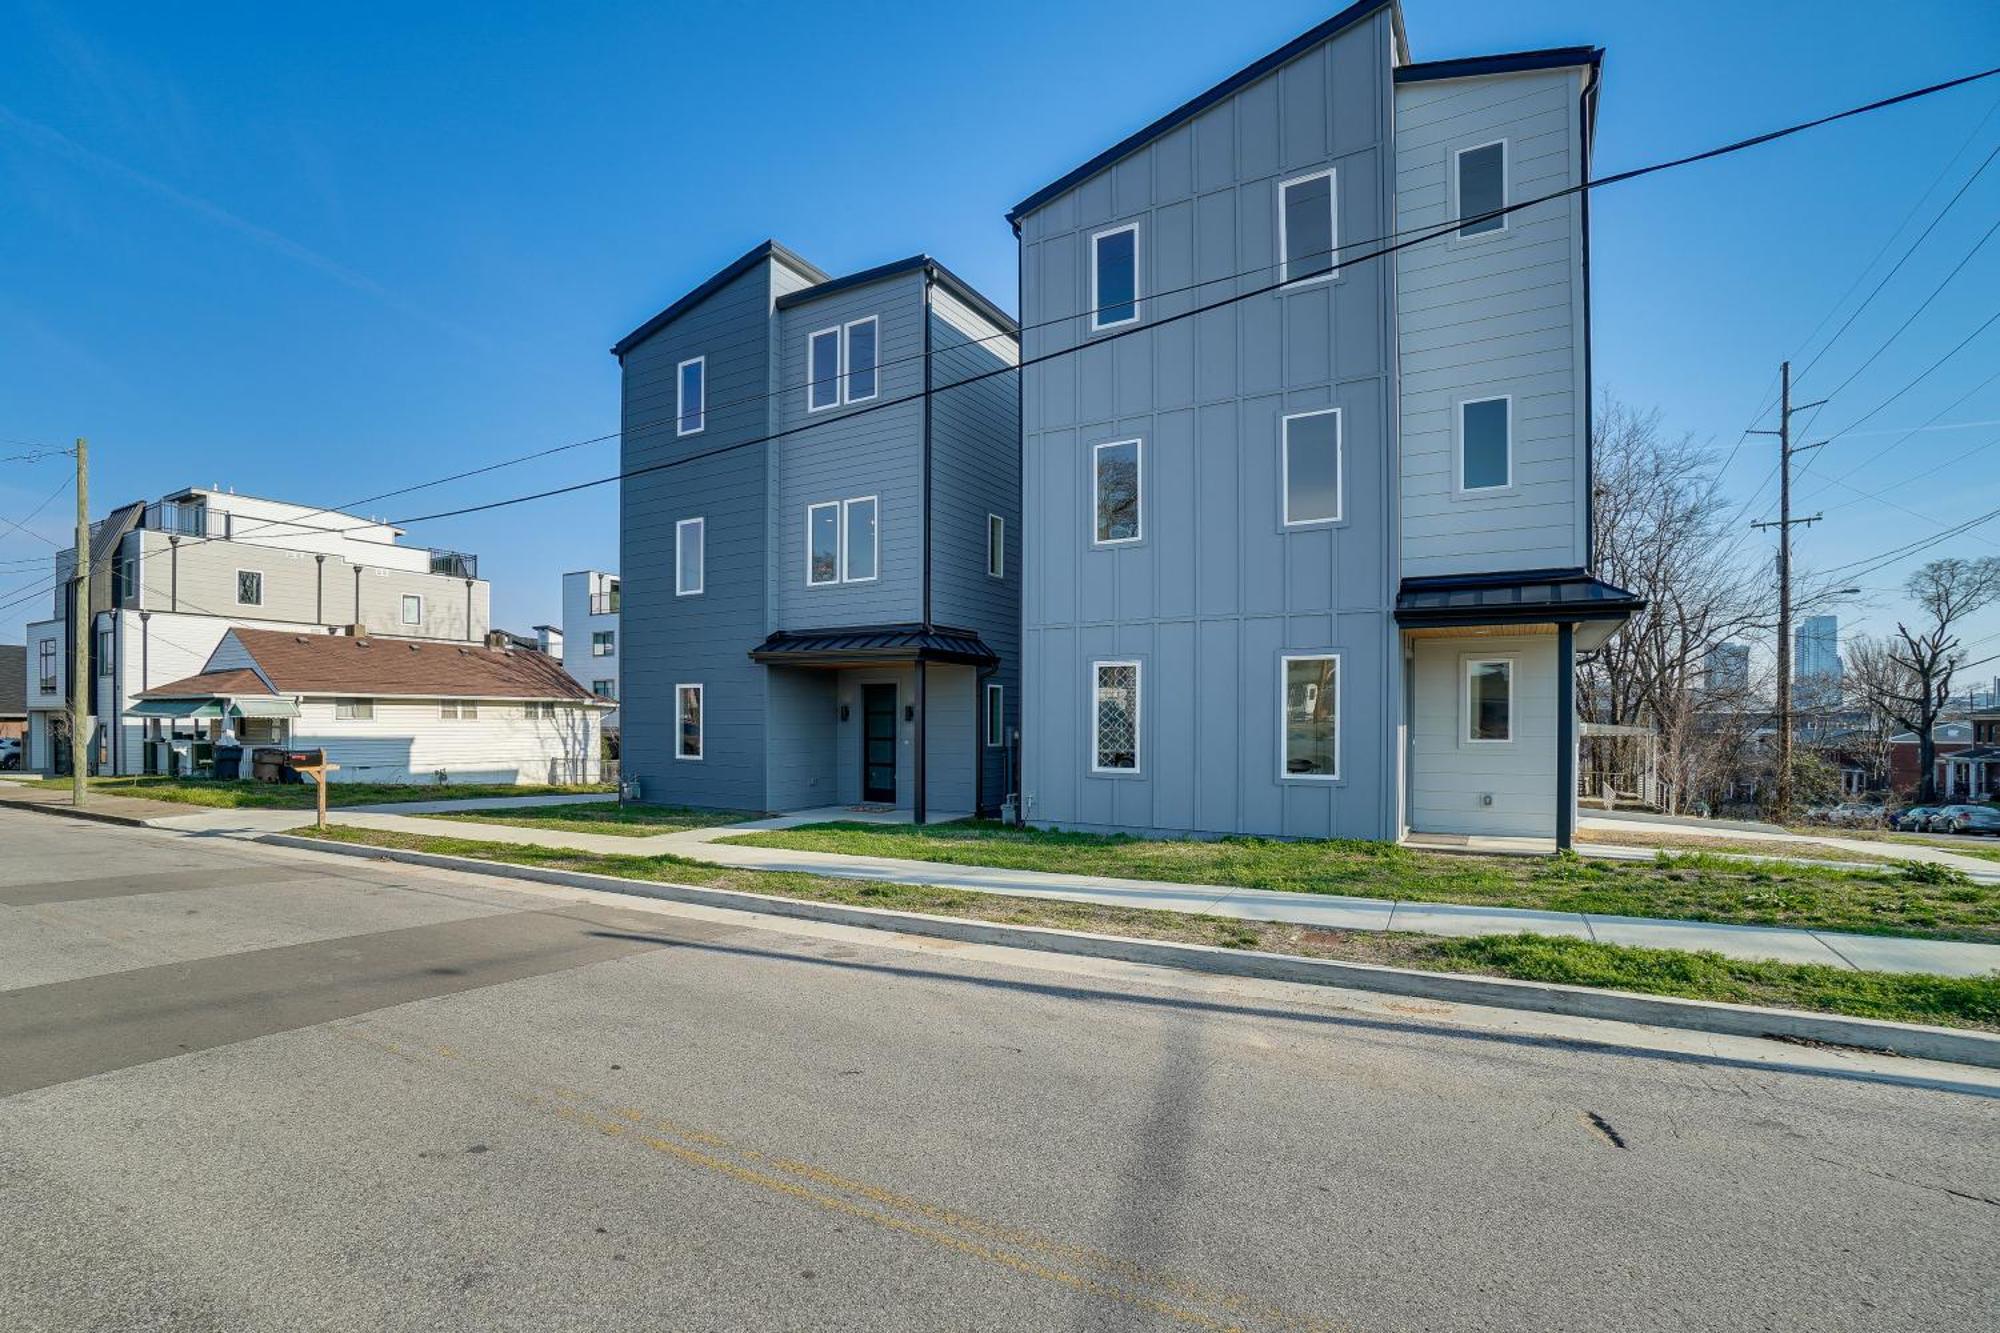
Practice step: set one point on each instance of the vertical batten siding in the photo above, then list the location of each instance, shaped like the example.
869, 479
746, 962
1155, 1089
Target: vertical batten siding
408, 741
1217, 589
1490, 315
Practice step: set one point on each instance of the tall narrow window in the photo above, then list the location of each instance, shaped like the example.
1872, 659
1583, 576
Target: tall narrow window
823, 369
1307, 228
1482, 187
45, 665
249, 588
860, 352
690, 556
691, 412
1114, 717
1485, 444
106, 650
1311, 716
996, 546
413, 609
687, 708
858, 540
1114, 277
1489, 699
1114, 491
996, 715
1312, 467
823, 543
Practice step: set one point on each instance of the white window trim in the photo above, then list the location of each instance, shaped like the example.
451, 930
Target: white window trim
1138, 287
994, 737
1457, 219
1339, 469
458, 709
700, 524
701, 723
418, 598
839, 542
1332, 270
700, 408
1468, 665
875, 538
996, 551
813, 381
1138, 716
1285, 661
1458, 445
354, 704
847, 360
1138, 491
239, 587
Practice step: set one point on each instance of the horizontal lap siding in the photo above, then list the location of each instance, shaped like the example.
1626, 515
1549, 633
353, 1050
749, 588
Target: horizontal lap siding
1481, 317
408, 741
1451, 777
1218, 590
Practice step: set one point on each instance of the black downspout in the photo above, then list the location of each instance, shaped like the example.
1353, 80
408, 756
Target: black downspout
174, 573
1565, 736
145, 677
922, 774
1017, 775
319, 589
357, 598
1584, 100
468, 610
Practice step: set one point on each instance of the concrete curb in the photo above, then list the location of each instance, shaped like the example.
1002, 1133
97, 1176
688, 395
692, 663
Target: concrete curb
71, 812
1908, 1039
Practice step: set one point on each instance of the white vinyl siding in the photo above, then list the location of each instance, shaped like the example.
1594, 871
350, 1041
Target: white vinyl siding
690, 556
1312, 472
1114, 277
1308, 228
408, 740
691, 396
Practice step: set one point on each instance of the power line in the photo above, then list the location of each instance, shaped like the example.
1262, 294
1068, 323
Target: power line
21, 527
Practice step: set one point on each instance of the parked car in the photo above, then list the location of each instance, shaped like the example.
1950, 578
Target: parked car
1916, 819
1967, 819
10, 752
1855, 814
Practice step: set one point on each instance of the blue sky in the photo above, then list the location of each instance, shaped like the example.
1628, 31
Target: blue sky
320, 252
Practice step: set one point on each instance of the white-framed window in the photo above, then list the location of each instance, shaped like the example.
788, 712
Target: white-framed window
106, 650
460, 710
996, 546
1114, 717
603, 642
996, 715
1116, 492
688, 722
1311, 467
690, 556
859, 355
545, 709
45, 665
1114, 277
843, 541
1486, 444
1479, 186
1489, 700
413, 608
823, 370
249, 587
691, 396
604, 689
354, 710
1309, 716
1308, 228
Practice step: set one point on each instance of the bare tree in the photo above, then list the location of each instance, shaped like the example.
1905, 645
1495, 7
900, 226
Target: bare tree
1908, 677
1662, 530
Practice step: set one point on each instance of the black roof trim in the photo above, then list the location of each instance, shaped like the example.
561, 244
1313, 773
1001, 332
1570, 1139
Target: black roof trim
757, 255
958, 286
1515, 596
1190, 109
1508, 62
908, 642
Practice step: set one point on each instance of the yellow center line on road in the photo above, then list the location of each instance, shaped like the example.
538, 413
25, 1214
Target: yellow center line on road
633, 1122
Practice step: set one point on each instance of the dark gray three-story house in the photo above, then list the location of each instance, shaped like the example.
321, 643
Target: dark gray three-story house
821, 560
1308, 524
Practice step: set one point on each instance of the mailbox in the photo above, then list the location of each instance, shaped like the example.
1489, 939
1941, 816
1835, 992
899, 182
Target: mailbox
305, 758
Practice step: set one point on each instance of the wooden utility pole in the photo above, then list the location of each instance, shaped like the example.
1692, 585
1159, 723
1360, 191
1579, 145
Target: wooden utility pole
79, 632
1784, 526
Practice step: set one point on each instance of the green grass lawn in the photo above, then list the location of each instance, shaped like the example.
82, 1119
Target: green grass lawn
284, 796
633, 821
1952, 1001
1900, 899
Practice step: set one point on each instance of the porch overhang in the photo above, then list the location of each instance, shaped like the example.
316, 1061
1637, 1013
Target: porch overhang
864, 645
1524, 601
176, 708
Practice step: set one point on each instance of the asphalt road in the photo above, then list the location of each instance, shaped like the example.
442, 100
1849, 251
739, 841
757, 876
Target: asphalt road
247, 1088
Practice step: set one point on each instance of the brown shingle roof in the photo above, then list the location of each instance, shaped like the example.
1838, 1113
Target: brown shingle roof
337, 664
239, 681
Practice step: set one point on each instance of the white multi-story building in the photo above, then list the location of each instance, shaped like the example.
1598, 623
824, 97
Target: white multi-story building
589, 635
169, 578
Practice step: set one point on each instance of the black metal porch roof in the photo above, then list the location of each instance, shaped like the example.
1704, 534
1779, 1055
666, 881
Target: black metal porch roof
1518, 597
855, 644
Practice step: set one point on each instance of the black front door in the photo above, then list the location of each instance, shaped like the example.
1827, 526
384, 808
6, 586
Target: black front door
878, 743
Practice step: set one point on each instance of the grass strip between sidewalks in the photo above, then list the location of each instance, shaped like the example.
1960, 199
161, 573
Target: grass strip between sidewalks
626, 821
299, 795
1972, 1002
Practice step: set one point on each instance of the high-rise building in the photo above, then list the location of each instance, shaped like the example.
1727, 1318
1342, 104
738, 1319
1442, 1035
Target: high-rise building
1726, 669
1816, 650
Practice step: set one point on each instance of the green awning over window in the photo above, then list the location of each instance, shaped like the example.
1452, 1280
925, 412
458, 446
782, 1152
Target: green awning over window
176, 708
253, 707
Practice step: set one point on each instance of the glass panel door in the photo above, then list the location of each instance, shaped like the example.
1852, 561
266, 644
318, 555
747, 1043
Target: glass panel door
878, 743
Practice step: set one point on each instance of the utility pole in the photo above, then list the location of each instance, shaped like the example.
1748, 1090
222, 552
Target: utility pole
79, 633
1784, 526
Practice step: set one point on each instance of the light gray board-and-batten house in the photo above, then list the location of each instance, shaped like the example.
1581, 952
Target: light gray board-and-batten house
1316, 562
820, 562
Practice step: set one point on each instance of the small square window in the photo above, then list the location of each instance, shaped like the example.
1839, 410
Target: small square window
249, 588
1114, 277
1307, 228
413, 609
691, 396
1482, 187
1489, 699
996, 546
688, 737
1485, 445
1115, 492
